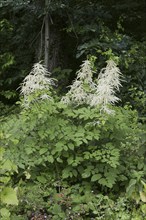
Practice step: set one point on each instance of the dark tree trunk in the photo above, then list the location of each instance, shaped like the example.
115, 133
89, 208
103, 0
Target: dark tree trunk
55, 58
47, 36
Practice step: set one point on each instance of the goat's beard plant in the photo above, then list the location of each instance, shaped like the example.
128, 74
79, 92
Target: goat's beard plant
36, 85
81, 87
108, 83
83, 91
101, 94
61, 145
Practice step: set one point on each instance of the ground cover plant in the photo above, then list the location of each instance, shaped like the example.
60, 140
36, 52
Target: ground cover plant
73, 157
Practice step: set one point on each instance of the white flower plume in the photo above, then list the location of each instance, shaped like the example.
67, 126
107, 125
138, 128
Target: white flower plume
108, 83
85, 91
37, 80
81, 87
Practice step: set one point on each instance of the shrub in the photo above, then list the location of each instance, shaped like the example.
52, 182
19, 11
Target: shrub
76, 162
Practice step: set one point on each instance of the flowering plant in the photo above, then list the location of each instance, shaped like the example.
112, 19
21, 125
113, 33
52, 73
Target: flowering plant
81, 87
39, 81
108, 84
85, 91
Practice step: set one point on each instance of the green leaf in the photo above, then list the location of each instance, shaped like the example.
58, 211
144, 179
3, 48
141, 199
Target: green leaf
131, 186
2, 150
102, 181
95, 177
89, 137
71, 146
65, 147
8, 196
62, 215
142, 196
56, 209
5, 213
70, 160
29, 150
85, 141
86, 173
8, 165
143, 208
59, 160
91, 206
50, 159
78, 142
5, 179
41, 179
41, 133
96, 137
15, 141
43, 150
66, 172
59, 146
75, 173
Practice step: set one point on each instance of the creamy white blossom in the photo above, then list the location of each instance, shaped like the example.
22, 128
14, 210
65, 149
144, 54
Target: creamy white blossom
81, 87
108, 83
37, 80
102, 94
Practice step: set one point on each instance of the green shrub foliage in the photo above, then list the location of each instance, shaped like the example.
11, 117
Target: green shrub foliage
74, 151
76, 161
8, 194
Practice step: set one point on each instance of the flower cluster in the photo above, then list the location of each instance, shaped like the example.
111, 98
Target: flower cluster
81, 87
102, 94
83, 90
108, 83
37, 80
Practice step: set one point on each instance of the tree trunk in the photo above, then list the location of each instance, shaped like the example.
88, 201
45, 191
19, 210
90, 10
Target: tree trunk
46, 36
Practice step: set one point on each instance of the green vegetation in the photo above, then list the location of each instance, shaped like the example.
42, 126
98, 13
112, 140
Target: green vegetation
73, 152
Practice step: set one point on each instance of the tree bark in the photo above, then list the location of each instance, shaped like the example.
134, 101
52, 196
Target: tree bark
46, 36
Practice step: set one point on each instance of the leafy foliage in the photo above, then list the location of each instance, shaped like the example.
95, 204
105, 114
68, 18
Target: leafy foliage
71, 152
7, 193
89, 28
